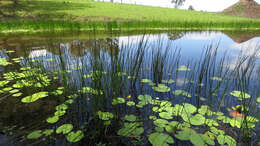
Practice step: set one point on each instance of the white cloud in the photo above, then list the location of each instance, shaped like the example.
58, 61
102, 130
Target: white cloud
202, 35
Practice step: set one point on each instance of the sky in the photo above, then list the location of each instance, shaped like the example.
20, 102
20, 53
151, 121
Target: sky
199, 5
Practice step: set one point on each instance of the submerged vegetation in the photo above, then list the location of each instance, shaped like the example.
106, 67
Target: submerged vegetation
131, 95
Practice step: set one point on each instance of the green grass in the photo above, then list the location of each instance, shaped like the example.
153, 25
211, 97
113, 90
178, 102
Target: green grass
82, 14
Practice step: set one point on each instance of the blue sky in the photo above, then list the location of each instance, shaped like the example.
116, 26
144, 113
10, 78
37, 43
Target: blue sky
204, 5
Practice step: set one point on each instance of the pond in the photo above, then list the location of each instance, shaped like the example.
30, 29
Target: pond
130, 88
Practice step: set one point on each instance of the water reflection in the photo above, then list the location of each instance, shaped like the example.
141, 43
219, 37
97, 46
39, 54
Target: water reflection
73, 59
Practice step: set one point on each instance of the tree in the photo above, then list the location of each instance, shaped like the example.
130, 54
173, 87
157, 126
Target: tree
191, 8
177, 3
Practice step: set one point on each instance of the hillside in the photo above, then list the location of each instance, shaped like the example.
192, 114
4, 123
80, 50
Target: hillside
244, 8
40, 15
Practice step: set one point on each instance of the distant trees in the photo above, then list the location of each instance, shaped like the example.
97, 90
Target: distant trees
177, 3
191, 8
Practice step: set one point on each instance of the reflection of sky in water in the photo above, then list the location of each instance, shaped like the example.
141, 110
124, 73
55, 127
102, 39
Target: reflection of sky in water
193, 44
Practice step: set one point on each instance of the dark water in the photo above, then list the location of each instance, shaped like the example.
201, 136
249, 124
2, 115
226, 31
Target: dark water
68, 59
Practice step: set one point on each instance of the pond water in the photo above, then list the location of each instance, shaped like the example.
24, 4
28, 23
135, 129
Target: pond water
79, 88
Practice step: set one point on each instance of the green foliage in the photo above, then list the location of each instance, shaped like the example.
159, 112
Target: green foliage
4, 62
225, 139
105, 115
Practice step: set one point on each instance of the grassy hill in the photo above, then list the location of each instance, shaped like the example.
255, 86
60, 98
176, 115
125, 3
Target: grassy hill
84, 13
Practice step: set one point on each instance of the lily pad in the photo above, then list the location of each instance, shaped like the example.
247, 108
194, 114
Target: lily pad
170, 81
130, 118
118, 100
34, 97
161, 88
130, 103
64, 129
198, 119
165, 115
225, 139
160, 139
53, 119
240, 95
75, 136
105, 115
146, 81
181, 92
183, 68
35, 134
216, 78
48, 132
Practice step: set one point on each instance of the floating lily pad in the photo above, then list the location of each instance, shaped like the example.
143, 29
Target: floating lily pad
165, 115
225, 139
216, 78
181, 92
34, 97
48, 132
183, 68
160, 122
118, 100
161, 88
59, 113
160, 139
240, 95
170, 81
75, 136
258, 99
131, 129
130, 103
198, 119
64, 129
61, 107
105, 115
146, 81
35, 134
53, 119
130, 118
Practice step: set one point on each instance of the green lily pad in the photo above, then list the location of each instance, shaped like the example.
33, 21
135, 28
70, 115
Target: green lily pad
17, 94
183, 68
170, 81
61, 107
131, 129
53, 119
146, 81
34, 97
118, 100
240, 95
160, 139
165, 115
105, 115
181, 92
130, 118
198, 119
205, 110
35, 134
59, 113
130, 103
146, 99
64, 129
258, 99
161, 88
225, 139
75, 136
160, 122
216, 78
48, 132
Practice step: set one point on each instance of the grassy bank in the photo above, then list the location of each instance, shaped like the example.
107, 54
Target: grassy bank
59, 15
